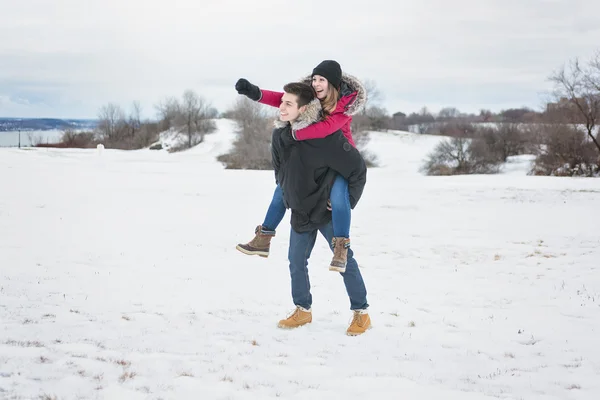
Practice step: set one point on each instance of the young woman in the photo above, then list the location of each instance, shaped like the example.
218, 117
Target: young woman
341, 96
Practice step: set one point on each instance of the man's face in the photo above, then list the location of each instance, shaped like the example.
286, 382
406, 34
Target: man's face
289, 110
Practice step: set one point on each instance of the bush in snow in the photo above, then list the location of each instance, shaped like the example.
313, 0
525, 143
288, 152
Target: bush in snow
567, 151
252, 149
458, 156
506, 139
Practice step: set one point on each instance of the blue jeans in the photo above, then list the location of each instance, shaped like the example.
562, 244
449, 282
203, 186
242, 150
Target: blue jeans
340, 208
301, 245
276, 210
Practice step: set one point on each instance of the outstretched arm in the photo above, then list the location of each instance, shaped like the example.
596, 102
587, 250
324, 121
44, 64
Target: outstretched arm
270, 98
253, 92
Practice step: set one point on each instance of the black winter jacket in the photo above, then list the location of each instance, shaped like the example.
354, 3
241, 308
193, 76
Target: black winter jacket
305, 171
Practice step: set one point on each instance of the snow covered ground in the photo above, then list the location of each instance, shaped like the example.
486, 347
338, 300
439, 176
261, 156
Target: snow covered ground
119, 280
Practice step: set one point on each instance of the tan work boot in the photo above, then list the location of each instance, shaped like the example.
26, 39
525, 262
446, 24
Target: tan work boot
360, 323
300, 316
260, 245
340, 254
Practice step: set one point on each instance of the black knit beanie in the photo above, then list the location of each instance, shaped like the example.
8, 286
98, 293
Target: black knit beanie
331, 70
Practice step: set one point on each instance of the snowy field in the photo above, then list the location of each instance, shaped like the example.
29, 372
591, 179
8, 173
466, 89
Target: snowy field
119, 279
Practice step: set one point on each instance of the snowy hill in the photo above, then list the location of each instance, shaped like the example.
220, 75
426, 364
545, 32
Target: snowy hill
119, 279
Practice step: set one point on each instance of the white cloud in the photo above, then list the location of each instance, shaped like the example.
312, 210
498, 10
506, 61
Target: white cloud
466, 53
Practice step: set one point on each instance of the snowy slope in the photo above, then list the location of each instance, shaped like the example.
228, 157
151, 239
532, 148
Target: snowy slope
119, 280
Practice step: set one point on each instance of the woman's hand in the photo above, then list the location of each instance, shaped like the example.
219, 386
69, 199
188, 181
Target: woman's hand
243, 86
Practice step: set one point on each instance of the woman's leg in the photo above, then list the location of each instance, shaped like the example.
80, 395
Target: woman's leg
261, 244
340, 216
275, 212
340, 207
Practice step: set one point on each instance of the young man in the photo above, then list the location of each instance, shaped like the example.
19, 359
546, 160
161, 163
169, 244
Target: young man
305, 171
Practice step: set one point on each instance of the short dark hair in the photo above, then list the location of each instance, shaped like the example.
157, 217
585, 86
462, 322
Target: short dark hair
303, 91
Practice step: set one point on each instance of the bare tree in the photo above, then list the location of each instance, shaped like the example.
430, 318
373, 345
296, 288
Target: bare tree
505, 141
485, 115
425, 120
111, 123
514, 114
379, 119
374, 95
251, 150
580, 86
135, 118
168, 111
448, 113
195, 116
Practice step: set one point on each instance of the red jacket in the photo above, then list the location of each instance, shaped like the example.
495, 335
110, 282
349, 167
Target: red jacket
334, 122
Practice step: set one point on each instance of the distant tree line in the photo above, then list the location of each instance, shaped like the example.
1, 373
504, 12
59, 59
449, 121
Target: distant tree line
565, 137
188, 119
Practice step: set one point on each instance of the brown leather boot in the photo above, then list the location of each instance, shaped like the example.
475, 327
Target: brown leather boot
360, 323
299, 317
340, 254
260, 245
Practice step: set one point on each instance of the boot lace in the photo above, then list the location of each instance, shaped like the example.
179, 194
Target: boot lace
294, 313
355, 318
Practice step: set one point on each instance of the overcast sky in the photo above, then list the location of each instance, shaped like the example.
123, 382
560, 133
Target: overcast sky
67, 58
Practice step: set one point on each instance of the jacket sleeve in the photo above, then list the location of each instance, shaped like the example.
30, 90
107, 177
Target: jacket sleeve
322, 129
349, 163
270, 98
275, 153
330, 125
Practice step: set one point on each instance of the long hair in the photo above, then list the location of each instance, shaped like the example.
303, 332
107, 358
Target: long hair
329, 103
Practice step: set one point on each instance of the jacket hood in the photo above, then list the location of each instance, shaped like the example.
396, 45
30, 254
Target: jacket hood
350, 84
311, 115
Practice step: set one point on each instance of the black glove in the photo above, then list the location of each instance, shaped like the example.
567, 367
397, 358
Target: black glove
287, 139
247, 89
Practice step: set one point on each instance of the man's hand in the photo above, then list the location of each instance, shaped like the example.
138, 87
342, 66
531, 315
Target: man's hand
247, 89
329, 204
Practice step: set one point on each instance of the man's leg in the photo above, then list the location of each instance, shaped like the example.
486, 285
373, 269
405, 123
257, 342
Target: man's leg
301, 245
355, 286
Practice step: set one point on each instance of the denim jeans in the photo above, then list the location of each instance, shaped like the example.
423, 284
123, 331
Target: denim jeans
301, 245
340, 208
276, 210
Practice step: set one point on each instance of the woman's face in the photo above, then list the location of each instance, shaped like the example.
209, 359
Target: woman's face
321, 86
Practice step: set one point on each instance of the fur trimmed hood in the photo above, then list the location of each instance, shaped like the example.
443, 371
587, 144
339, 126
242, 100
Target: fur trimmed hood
308, 117
350, 84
